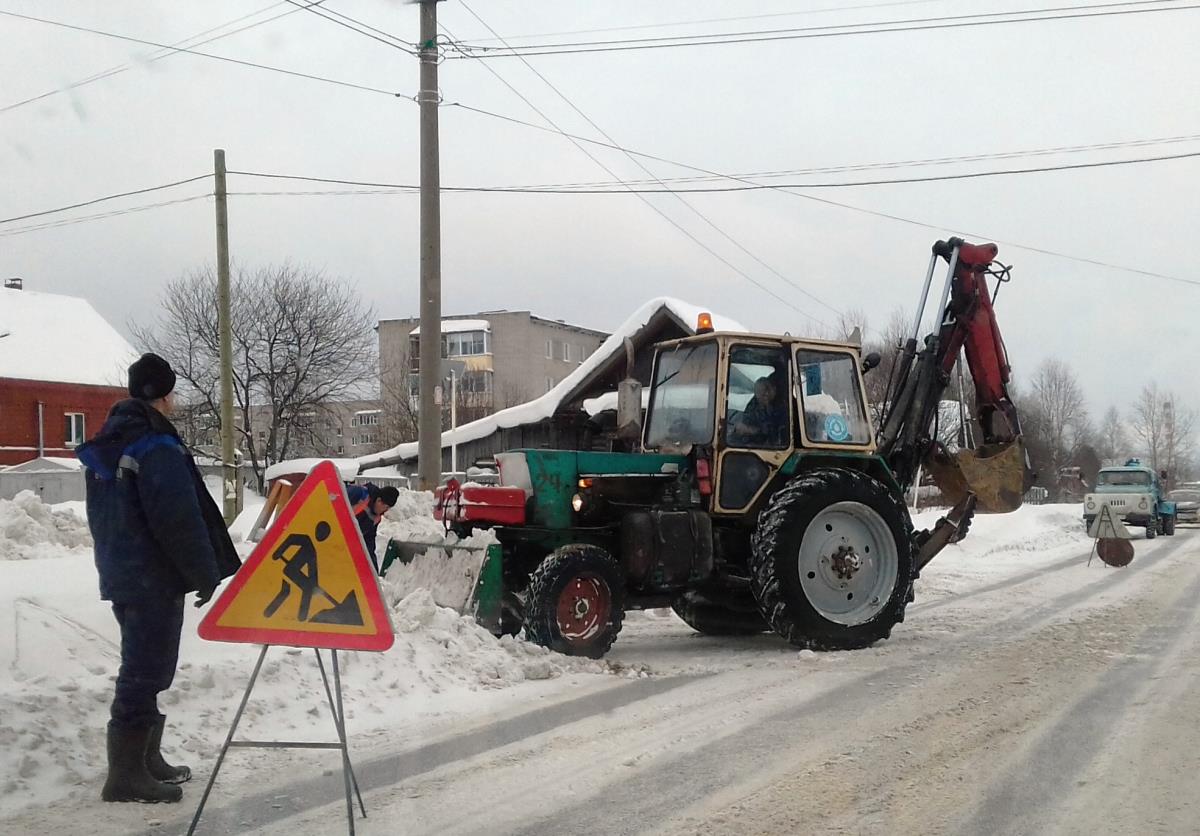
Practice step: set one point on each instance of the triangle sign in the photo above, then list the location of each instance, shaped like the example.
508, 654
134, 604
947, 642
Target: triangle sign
1107, 526
309, 582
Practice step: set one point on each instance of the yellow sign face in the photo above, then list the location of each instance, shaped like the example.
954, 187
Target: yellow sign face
309, 582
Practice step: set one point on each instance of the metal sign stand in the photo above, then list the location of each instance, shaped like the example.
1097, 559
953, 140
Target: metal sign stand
339, 722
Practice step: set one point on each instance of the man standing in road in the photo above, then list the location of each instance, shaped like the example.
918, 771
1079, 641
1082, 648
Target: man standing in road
158, 535
370, 503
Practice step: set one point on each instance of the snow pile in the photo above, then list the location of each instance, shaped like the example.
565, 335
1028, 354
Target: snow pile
30, 529
445, 650
449, 574
997, 544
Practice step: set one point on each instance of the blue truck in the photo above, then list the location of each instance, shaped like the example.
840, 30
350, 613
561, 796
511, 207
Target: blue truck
1135, 494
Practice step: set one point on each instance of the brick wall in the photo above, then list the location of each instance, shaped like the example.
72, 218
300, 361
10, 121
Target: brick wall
19, 416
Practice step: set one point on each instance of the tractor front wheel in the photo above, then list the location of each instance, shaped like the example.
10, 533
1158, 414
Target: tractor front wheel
1169, 525
832, 560
576, 601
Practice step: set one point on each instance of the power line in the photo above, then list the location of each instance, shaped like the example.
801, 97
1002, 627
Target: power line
725, 39
120, 68
641, 26
96, 200
101, 215
238, 61
641, 197
916, 163
621, 187
348, 23
771, 269
792, 192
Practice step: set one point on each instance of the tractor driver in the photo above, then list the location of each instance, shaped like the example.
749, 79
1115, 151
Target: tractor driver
764, 421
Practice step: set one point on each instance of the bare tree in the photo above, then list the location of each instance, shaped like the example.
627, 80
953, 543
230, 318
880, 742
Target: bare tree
1061, 416
301, 342
1167, 429
512, 394
1111, 443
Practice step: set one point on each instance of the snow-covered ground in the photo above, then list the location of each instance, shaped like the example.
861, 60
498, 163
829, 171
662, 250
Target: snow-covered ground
446, 677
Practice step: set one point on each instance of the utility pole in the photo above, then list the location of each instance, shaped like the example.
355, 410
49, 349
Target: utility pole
229, 475
429, 427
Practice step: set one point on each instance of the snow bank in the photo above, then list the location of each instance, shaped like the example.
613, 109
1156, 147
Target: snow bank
30, 529
62, 655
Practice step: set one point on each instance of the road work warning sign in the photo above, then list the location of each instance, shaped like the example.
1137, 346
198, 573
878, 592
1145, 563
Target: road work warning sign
309, 582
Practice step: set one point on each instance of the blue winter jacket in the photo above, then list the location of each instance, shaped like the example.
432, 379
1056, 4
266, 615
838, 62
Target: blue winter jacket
362, 501
157, 531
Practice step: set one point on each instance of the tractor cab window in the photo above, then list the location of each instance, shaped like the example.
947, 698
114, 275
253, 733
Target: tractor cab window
831, 398
757, 414
682, 406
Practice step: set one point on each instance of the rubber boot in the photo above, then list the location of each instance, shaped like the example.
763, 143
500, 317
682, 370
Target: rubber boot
128, 779
158, 768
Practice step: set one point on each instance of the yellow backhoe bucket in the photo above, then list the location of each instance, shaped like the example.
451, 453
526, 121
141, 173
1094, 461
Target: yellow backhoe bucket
996, 473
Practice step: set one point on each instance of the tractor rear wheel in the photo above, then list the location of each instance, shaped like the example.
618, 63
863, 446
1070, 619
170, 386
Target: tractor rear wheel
1169, 525
717, 618
832, 560
576, 601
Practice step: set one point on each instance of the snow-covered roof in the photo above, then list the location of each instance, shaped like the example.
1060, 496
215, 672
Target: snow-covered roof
46, 464
347, 468
542, 408
608, 401
454, 326
59, 339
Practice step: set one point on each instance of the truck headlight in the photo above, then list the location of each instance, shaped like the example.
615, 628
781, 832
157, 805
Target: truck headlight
577, 503
1091, 505
1142, 504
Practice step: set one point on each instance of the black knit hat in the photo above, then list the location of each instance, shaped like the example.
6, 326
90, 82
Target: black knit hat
150, 378
389, 495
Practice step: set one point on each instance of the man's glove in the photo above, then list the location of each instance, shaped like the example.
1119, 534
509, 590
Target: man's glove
203, 596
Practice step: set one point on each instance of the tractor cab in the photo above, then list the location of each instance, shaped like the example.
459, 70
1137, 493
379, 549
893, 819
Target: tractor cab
748, 406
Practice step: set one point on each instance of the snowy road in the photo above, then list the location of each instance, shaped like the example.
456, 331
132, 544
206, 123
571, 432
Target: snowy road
1027, 693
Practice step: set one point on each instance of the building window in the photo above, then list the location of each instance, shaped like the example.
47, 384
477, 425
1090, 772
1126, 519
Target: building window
367, 418
74, 434
549, 383
340, 450
549, 350
566, 352
466, 343
476, 383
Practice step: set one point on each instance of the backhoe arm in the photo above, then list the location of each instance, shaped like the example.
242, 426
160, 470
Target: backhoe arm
997, 472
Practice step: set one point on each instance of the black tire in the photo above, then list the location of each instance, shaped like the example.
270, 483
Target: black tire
1152, 530
775, 559
1169, 525
585, 575
712, 618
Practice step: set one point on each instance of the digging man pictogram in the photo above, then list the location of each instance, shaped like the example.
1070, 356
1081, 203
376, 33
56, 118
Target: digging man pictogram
300, 571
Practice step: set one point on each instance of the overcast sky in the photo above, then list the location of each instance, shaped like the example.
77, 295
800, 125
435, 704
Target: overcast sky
591, 259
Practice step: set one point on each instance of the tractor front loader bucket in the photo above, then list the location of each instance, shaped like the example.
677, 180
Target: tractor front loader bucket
468, 579
997, 474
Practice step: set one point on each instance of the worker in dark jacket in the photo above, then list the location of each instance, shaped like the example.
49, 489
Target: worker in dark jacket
369, 503
158, 535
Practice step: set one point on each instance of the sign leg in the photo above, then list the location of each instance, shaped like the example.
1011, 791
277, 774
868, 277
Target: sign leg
337, 686
237, 718
340, 724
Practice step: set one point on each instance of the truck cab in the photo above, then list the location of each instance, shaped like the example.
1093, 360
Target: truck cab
1135, 494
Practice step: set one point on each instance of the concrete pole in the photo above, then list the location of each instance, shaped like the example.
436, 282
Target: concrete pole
429, 427
453, 419
228, 467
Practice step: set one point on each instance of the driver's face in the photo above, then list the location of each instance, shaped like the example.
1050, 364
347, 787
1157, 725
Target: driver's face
764, 392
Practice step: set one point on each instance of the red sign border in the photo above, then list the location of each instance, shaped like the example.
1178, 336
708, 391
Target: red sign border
325, 475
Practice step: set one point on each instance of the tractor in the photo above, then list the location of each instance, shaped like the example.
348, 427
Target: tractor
766, 492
